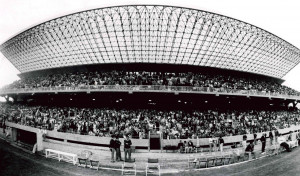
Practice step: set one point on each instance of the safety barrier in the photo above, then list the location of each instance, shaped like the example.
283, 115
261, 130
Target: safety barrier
149, 88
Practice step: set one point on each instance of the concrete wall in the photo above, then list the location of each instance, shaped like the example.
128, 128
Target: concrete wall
67, 146
66, 137
229, 139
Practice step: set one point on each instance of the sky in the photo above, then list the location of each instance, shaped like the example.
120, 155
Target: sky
279, 17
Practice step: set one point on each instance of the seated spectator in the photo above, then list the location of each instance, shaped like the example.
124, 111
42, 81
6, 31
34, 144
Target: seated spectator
173, 124
190, 146
180, 147
282, 142
250, 149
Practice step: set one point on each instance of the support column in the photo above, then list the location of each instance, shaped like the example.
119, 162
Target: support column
13, 134
40, 140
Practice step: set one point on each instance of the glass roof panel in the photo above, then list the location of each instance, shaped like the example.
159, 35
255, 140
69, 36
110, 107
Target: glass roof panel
160, 34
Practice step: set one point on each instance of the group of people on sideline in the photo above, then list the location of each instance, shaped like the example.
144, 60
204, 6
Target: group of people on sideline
275, 138
115, 145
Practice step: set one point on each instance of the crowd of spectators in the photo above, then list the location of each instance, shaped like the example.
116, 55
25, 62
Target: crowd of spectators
152, 78
138, 122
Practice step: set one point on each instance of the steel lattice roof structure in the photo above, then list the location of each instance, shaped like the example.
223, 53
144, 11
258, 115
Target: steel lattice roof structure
151, 34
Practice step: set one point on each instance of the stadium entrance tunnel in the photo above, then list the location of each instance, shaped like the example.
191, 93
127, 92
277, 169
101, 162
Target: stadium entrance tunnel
155, 142
26, 137
23, 138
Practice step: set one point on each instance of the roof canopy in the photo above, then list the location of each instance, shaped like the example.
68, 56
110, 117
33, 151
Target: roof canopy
151, 34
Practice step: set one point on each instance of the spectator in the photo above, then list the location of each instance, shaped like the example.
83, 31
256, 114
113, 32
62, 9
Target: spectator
244, 142
118, 151
263, 143
180, 146
3, 126
221, 143
173, 123
186, 147
190, 146
255, 138
282, 142
298, 137
215, 144
290, 136
271, 137
112, 147
127, 148
250, 149
276, 136
210, 141
204, 80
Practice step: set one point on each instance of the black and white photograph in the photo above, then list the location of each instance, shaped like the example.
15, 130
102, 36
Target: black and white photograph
140, 87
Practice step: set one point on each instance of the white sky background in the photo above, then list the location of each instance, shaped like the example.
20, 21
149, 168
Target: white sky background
279, 17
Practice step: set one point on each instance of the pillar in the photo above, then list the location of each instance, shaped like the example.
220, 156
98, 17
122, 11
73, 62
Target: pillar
39, 141
13, 134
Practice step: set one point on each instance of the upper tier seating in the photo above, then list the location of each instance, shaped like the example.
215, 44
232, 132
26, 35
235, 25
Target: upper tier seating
152, 78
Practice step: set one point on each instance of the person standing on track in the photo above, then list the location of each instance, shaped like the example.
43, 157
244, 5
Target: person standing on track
118, 150
221, 143
271, 137
127, 148
263, 143
112, 146
210, 140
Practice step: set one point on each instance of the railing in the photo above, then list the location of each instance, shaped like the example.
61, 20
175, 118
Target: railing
149, 88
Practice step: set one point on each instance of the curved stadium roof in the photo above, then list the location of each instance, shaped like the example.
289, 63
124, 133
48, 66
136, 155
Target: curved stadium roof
151, 34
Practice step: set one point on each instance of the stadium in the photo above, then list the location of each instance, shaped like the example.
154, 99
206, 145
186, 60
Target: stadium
192, 90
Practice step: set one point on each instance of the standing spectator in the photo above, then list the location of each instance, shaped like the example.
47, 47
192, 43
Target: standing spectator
7, 133
127, 148
215, 143
290, 136
298, 137
112, 146
276, 136
244, 142
118, 151
263, 143
3, 126
186, 147
221, 143
271, 137
210, 140
255, 138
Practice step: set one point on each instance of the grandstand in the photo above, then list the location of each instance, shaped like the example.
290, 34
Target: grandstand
159, 74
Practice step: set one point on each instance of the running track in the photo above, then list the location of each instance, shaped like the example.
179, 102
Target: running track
14, 161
